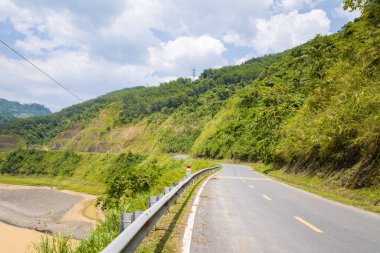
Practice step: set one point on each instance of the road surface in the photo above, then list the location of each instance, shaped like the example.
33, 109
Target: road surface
243, 211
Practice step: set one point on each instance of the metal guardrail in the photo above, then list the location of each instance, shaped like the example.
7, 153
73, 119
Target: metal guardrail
135, 226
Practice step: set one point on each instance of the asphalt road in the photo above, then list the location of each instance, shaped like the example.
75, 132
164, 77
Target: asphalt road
243, 211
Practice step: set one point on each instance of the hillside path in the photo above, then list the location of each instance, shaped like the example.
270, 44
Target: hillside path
243, 211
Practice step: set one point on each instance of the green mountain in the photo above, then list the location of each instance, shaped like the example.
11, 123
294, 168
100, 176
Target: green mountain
10, 110
313, 109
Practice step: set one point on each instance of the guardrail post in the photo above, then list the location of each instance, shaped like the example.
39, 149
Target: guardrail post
152, 200
126, 219
136, 214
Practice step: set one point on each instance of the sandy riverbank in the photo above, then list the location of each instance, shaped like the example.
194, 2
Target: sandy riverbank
24, 210
15, 239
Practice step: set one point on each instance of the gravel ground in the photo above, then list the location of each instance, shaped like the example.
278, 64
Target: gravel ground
41, 210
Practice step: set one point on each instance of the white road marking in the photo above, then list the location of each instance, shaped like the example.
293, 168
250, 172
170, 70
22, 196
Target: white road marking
252, 187
266, 197
186, 242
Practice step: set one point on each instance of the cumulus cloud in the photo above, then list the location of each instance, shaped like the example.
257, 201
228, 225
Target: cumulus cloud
213, 17
184, 53
285, 31
233, 37
292, 4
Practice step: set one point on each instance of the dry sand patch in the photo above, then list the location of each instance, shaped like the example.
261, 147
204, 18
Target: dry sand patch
14, 239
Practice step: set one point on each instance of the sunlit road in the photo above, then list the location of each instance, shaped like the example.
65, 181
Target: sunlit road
243, 211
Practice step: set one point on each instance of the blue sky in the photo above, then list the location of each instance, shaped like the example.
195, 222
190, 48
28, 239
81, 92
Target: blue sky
94, 47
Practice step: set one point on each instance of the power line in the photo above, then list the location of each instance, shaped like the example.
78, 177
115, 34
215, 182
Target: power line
43, 72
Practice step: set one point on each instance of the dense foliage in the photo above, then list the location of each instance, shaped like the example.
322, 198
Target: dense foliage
10, 110
37, 162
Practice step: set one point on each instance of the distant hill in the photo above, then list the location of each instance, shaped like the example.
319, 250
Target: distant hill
11, 110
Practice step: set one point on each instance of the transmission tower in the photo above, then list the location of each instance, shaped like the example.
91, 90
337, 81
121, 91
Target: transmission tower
193, 73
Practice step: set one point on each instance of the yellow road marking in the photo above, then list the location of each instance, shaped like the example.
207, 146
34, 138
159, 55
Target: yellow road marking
250, 186
266, 197
308, 224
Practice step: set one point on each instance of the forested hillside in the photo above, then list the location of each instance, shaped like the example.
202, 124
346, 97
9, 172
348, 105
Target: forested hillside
312, 109
100, 119
11, 110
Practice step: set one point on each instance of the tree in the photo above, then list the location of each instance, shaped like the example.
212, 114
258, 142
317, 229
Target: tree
352, 5
369, 8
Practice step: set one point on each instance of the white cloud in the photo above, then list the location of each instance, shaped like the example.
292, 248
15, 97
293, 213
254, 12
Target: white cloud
296, 4
213, 17
180, 55
44, 30
292, 4
129, 33
234, 38
348, 15
285, 31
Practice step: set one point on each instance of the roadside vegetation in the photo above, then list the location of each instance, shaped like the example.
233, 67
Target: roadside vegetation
123, 181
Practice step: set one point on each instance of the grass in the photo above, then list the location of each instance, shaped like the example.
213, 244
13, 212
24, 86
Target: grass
367, 198
55, 244
61, 183
104, 233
